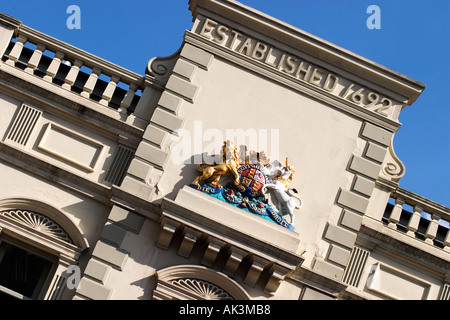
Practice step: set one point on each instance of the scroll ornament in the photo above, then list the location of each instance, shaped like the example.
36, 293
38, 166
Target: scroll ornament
393, 168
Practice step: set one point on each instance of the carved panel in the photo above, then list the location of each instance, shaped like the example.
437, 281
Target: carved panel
119, 166
445, 294
23, 124
355, 267
71, 147
396, 284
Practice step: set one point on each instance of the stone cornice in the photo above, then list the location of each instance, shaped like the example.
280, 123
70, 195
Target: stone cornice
267, 250
30, 163
426, 204
315, 280
244, 18
54, 99
275, 75
414, 199
88, 59
70, 51
9, 21
373, 233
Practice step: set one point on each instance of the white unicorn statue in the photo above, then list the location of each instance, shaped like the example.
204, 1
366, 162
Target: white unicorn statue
279, 178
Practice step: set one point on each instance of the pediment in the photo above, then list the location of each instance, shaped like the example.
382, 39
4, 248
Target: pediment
296, 58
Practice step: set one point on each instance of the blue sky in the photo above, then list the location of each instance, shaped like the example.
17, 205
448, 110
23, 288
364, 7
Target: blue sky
414, 39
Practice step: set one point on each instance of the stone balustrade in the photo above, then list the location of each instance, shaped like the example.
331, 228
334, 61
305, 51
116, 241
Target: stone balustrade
419, 218
74, 69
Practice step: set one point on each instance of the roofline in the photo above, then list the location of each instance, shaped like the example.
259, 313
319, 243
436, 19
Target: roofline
281, 32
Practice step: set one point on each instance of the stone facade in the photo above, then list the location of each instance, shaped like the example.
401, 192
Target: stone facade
99, 171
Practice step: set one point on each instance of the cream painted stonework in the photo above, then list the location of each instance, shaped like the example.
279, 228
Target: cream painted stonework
110, 163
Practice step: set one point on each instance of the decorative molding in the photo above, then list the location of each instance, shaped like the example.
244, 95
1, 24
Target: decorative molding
38, 222
75, 234
23, 124
445, 293
393, 167
280, 34
196, 282
203, 289
38, 167
355, 267
226, 225
408, 287
259, 262
161, 67
119, 165
9, 21
375, 234
283, 78
427, 205
86, 159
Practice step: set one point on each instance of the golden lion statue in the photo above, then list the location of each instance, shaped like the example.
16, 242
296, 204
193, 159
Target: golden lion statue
212, 172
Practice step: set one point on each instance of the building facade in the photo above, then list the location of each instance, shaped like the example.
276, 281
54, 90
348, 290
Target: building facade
256, 162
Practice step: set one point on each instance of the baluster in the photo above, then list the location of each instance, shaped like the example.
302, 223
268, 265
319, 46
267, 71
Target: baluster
396, 213
413, 223
72, 75
432, 229
54, 66
447, 242
90, 83
35, 59
16, 51
109, 91
126, 102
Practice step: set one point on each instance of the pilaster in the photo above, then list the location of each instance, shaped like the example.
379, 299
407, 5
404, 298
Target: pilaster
8, 27
176, 74
366, 168
108, 254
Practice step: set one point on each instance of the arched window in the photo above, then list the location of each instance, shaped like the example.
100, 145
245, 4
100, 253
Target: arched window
37, 244
191, 282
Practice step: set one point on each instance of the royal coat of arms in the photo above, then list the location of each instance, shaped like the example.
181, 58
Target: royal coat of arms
252, 177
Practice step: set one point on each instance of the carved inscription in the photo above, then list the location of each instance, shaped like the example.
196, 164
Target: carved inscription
297, 68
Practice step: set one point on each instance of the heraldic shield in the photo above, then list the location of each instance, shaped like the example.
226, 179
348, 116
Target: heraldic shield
253, 177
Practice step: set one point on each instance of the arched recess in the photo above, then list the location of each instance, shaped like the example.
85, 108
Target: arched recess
61, 219
38, 229
192, 282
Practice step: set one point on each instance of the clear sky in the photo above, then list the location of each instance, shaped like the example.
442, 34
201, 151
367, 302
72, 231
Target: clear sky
414, 39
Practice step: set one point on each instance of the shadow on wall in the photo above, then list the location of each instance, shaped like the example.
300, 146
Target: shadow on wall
189, 172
